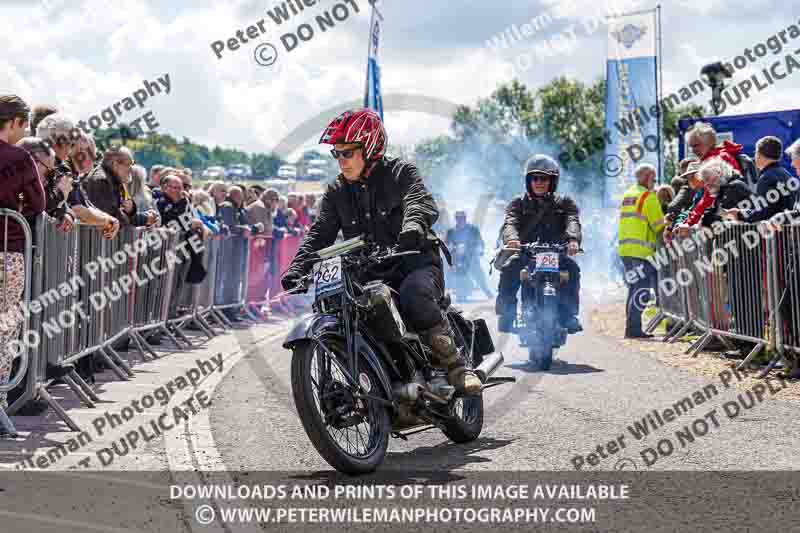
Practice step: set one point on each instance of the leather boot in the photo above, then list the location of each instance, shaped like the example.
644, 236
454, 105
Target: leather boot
445, 355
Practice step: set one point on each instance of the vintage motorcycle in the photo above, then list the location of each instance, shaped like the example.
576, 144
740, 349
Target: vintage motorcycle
359, 376
537, 322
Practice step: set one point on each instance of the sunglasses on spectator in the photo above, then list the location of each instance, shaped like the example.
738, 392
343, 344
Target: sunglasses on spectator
346, 154
51, 172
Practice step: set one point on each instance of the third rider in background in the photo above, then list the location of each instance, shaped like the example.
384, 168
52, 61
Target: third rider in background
541, 215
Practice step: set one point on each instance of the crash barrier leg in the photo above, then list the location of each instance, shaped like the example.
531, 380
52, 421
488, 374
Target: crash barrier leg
108, 349
655, 321
55, 406
76, 378
79, 392
678, 331
13, 321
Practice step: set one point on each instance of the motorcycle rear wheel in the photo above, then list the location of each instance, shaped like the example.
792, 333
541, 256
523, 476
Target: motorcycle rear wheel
467, 411
317, 393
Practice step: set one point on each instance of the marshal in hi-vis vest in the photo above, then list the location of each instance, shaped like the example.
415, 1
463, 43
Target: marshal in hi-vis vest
640, 221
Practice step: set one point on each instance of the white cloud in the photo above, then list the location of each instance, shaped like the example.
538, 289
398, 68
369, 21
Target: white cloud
84, 55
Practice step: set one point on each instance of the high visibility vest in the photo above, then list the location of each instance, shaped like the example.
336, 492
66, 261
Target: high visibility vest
640, 221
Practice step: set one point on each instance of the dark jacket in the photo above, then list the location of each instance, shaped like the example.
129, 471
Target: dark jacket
21, 190
553, 218
106, 194
769, 179
681, 202
171, 212
233, 217
470, 235
391, 200
730, 195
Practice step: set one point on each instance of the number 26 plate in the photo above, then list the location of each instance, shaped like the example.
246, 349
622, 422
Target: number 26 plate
328, 276
547, 262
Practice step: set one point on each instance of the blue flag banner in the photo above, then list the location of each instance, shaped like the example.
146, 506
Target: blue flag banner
372, 96
631, 92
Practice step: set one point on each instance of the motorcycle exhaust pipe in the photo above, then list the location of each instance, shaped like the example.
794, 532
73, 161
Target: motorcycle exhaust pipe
489, 366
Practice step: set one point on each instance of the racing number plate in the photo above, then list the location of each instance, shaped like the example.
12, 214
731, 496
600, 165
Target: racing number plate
547, 262
328, 276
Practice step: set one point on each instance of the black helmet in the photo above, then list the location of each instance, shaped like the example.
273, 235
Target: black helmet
542, 164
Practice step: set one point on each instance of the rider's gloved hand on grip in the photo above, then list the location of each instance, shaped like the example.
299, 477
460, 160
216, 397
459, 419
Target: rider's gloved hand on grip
291, 280
410, 239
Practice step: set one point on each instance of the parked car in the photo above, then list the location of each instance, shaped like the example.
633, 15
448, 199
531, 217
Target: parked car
283, 186
239, 172
287, 172
315, 174
214, 173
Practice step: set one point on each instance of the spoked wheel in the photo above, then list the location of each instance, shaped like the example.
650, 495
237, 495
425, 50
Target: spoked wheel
466, 423
351, 434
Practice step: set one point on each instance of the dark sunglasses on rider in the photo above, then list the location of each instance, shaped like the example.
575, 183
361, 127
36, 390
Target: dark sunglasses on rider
346, 154
540, 177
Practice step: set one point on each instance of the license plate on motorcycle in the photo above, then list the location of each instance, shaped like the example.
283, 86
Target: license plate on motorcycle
328, 276
547, 262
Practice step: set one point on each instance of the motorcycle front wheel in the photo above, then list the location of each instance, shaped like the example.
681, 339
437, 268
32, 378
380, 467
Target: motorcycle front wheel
351, 434
540, 348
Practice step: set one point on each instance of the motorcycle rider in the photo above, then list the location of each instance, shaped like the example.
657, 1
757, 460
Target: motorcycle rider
540, 215
386, 201
470, 236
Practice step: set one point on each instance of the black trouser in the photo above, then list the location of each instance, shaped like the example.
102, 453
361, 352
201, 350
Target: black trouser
420, 287
569, 295
640, 276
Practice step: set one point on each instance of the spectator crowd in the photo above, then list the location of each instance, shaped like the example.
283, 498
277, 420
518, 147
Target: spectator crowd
715, 184
48, 165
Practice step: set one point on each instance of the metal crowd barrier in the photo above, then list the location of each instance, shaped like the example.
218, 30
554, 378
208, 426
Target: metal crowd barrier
786, 294
84, 294
743, 284
8, 310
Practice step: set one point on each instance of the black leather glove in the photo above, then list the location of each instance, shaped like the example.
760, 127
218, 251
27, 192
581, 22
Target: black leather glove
291, 280
410, 239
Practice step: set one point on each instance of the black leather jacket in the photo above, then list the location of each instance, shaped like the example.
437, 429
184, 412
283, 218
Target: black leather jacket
553, 218
391, 200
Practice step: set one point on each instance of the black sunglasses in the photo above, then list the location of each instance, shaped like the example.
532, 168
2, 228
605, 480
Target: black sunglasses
540, 177
347, 154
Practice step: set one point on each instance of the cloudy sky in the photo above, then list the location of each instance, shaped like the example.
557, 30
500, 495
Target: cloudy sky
83, 56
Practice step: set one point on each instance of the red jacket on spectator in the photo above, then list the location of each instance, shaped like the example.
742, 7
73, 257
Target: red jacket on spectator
21, 190
697, 213
727, 152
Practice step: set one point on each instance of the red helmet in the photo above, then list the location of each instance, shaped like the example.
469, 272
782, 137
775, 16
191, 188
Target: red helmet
362, 126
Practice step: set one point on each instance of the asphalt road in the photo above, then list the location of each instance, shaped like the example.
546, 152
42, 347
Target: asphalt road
594, 394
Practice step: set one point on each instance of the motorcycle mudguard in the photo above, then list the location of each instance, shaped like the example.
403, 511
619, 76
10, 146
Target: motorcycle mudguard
309, 327
312, 327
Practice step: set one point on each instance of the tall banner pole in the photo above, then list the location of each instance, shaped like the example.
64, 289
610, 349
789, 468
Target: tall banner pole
372, 90
660, 115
